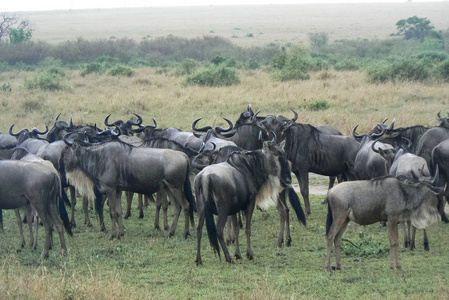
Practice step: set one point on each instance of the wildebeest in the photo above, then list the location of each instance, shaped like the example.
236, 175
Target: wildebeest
310, 150
440, 160
402, 164
382, 199
432, 137
35, 182
114, 167
244, 180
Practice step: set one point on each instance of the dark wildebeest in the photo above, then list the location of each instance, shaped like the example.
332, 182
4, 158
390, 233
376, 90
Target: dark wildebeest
209, 157
440, 160
210, 138
310, 150
368, 163
35, 182
114, 167
432, 137
382, 199
245, 180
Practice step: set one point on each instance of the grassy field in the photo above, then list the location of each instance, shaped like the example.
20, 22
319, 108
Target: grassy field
146, 264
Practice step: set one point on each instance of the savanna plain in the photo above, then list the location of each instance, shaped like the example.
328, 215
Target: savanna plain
146, 263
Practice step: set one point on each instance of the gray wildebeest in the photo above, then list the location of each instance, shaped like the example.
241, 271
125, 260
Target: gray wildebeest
244, 180
35, 182
382, 199
115, 166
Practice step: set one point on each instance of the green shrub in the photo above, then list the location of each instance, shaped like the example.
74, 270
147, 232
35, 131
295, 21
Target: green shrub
121, 70
187, 66
92, 68
214, 76
365, 247
316, 105
437, 56
46, 80
443, 69
399, 69
350, 64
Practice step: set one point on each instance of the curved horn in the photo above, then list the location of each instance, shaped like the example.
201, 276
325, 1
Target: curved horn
384, 121
355, 134
106, 121
434, 179
438, 115
57, 118
374, 149
409, 142
274, 136
392, 125
136, 123
71, 122
15, 134
296, 115
203, 145
202, 129
221, 129
35, 130
254, 116
250, 109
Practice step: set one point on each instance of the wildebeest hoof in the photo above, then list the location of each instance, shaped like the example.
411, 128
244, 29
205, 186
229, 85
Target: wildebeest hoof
250, 256
238, 256
289, 242
186, 234
426, 246
171, 234
157, 227
199, 262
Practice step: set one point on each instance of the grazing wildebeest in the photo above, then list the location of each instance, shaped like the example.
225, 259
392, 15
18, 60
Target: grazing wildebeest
35, 182
382, 199
440, 160
114, 167
244, 180
432, 137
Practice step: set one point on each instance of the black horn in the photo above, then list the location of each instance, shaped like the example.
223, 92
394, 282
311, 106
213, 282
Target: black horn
221, 129
202, 129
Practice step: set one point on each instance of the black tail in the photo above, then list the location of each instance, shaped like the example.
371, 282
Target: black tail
210, 223
189, 196
294, 201
99, 202
329, 219
66, 198
62, 210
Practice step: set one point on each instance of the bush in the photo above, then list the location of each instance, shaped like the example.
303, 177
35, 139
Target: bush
443, 70
187, 66
316, 105
92, 68
121, 71
47, 80
399, 69
214, 76
350, 64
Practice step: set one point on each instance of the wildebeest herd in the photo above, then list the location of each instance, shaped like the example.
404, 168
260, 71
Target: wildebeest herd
392, 175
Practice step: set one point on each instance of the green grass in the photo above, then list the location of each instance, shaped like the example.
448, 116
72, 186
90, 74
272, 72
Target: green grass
147, 264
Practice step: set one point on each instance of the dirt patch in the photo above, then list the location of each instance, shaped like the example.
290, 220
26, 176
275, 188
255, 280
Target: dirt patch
313, 189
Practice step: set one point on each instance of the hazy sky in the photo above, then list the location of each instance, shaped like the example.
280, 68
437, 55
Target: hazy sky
31, 5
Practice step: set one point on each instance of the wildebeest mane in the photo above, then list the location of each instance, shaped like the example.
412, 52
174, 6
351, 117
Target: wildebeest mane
412, 133
252, 162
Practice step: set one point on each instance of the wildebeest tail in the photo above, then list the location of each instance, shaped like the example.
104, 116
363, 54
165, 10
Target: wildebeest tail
189, 196
294, 201
329, 218
209, 217
62, 210
65, 198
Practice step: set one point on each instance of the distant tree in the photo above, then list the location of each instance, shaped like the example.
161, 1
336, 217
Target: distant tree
319, 39
416, 28
14, 29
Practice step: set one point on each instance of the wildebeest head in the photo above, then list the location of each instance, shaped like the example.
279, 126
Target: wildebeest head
277, 162
444, 121
277, 125
126, 128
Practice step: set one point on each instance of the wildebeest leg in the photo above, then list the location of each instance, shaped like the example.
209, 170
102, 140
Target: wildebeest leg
442, 203
36, 221
337, 242
230, 236
283, 210
338, 222
412, 239
394, 243
129, 201
19, 223
179, 201
221, 222
57, 222
73, 203
331, 181
161, 197
86, 212
1, 219
99, 205
303, 178
199, 232
140, 205
248, 216
115, 211
406, 229
426, 240
235, 232
27, 210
